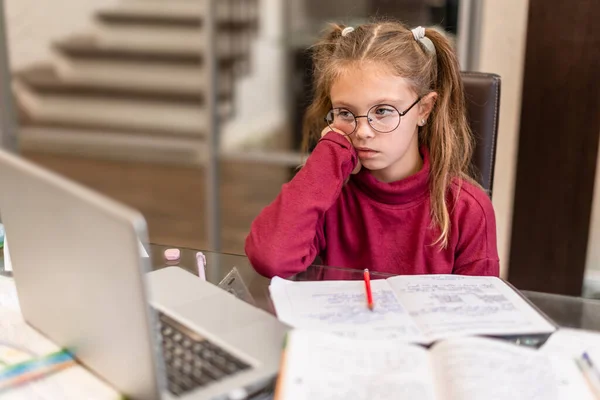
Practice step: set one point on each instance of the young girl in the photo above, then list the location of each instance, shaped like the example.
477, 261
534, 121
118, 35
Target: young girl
388, 185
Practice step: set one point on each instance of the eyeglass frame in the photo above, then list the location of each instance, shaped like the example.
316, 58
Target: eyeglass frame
356, 117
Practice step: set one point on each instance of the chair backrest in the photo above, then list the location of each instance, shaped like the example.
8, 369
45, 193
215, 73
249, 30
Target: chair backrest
482, 96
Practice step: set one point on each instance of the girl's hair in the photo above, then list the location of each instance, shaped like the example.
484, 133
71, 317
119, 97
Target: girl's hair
391, 44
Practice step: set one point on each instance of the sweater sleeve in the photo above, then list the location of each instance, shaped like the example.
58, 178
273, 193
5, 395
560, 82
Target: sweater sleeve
288, 234
477, 252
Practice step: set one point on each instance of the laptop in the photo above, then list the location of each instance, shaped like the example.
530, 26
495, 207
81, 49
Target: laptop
82, 283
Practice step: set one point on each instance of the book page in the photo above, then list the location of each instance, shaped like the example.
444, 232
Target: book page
327, 367
340, 307
478, 368
454, 305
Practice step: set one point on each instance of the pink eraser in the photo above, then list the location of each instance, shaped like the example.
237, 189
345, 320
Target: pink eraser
172, 254
201, 261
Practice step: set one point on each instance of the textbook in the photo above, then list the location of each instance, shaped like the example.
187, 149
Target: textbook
412, 308
318, 365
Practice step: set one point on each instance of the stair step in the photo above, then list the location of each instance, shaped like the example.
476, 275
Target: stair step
178, 13
91, 48
171, 13
114, 114
154, 41
136, 74
106, 144
44, 79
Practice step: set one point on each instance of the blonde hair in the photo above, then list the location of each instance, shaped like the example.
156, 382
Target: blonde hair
447, 136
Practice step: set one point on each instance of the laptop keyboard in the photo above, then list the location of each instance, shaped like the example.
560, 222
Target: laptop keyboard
192, 361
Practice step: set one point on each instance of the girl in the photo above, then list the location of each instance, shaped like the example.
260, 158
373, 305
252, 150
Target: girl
388, 185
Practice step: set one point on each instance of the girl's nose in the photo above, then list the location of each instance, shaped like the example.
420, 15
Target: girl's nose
363, 129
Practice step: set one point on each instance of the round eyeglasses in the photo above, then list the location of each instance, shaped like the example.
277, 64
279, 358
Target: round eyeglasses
383, 118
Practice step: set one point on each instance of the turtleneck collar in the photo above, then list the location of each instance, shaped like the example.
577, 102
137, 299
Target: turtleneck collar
404, 191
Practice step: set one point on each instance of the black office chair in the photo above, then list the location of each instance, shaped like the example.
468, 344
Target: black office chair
482, 96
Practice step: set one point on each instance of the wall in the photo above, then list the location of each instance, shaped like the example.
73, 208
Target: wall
260, 100
501, 50
32, 25
593, 251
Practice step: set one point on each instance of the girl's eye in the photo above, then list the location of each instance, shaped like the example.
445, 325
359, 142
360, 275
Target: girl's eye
383, 111
345, 114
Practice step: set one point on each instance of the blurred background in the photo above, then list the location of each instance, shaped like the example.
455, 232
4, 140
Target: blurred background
190, 111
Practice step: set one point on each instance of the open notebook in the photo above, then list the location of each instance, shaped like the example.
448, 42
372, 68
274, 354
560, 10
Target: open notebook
414, 308
327, 367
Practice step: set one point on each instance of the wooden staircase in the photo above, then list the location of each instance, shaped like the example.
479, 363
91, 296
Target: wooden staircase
136, 87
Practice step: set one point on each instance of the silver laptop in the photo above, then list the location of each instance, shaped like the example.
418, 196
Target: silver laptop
82, 282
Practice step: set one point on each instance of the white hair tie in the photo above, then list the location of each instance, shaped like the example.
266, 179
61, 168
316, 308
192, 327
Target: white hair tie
347, 30
419, 35
418, 32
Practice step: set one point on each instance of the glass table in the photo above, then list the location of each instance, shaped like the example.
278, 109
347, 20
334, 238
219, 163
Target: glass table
565, 311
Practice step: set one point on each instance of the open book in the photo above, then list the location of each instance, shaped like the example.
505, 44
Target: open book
414, 308
327, 367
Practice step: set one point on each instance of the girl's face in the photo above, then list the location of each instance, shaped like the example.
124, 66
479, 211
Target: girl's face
390, 156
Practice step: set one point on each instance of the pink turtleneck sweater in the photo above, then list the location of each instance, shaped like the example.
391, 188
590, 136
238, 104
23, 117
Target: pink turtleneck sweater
365, 223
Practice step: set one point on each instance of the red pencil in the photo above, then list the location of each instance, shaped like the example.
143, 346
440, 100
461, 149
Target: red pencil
368, 289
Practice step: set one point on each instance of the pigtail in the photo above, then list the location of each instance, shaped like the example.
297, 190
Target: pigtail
322, 51
447, 135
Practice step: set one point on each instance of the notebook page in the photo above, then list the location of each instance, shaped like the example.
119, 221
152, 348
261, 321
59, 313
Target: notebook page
477, 368
327, 367
340, 307
454, 305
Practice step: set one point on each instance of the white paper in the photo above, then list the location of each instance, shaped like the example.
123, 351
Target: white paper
8, 294
453, 305
572, 343
340, 307
72, 383
327, 367
571, 382
477, 368
7, 261
15, 332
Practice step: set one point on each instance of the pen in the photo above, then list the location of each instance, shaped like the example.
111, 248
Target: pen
590, 373
368, 289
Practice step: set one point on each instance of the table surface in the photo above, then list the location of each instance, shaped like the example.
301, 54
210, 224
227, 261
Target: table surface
565, 311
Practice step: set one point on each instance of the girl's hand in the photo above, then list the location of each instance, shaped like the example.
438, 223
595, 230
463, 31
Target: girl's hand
328, 129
